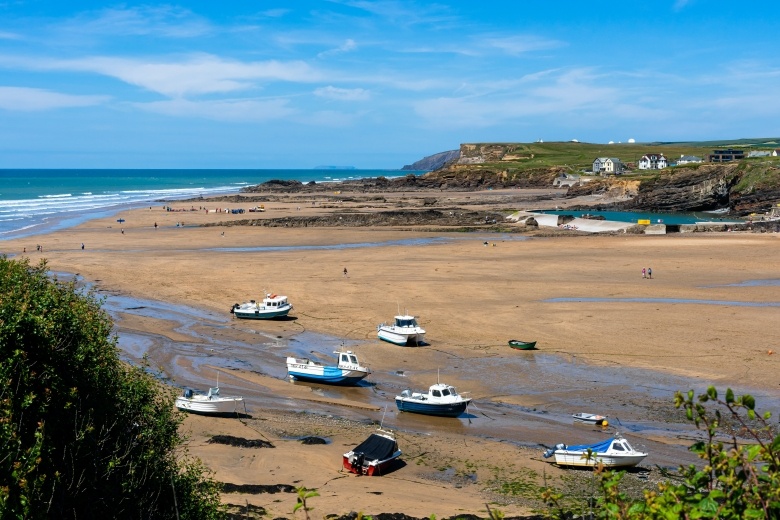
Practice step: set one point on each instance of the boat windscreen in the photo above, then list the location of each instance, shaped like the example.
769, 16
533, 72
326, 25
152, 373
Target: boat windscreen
377, 447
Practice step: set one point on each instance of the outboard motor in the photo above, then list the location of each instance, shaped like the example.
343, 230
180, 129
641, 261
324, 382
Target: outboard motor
358, 460
549, 453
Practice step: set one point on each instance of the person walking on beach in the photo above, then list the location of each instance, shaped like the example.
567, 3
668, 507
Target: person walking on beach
345, 273
644, 273
82, 246
649, 272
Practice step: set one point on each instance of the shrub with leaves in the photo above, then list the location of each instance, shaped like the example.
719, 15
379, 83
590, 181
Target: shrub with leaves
83, 435
739, 479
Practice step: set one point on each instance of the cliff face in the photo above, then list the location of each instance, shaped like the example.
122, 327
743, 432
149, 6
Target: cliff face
743, 188
705, 188
434, 162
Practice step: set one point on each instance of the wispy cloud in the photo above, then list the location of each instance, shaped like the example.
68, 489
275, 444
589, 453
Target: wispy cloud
679, 5
343, 94
256, 110
165, 21
195, 75
516, 45
347, 46
26, 99
405, 14
9, 36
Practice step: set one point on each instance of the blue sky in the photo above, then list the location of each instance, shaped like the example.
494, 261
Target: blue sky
371, 84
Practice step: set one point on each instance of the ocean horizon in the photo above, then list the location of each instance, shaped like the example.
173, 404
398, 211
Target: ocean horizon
36, 201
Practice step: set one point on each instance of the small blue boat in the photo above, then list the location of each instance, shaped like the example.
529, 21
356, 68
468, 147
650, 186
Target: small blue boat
441, 400
348, 372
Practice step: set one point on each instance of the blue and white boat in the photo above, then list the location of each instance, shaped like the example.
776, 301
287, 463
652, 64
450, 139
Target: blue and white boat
441, 400
348, 372
614, 452
403, 332
272, 306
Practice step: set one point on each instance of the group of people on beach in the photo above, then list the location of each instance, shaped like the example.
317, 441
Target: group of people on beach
647, 272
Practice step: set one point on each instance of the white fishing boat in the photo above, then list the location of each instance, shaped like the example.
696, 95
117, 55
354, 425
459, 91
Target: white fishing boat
272, 306
591, 418
210, 404
404, 331
441, 400
615, 452
347, 372
373, 456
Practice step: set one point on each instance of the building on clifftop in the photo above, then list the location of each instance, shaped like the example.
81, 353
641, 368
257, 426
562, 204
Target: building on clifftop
653, 161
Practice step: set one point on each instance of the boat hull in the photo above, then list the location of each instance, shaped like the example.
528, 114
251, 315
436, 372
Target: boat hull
441, 410
226, 405
347, 373
522, 345
262, 314
598, 420
578, 458
400, 338
330, 376
375, 468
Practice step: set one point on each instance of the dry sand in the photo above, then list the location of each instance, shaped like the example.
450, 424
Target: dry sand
471, 298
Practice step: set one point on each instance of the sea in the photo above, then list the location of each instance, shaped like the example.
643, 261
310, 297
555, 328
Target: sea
39, 201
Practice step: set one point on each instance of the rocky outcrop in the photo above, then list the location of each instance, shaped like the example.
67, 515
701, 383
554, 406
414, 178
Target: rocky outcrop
696, 189
454, 177
742, 188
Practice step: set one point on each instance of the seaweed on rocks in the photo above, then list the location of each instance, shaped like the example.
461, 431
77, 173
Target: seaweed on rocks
240, 442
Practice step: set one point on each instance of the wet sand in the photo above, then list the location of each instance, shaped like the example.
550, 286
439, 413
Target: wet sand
609, 341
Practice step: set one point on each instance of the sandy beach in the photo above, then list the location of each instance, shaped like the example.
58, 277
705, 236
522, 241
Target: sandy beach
607, 338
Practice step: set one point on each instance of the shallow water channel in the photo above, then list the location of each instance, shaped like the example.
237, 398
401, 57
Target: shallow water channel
528, 401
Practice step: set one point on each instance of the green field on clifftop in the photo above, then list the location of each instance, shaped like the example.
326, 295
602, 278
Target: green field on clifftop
580, 156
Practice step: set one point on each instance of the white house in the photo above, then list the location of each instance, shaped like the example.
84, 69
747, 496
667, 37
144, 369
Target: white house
652, 161
759, 153
608, 166
687, 159
598, 164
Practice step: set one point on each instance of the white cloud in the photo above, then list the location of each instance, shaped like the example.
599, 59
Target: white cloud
9, 36
222, 110
34, 99
197, 75
348, 46
515, 45
343, 94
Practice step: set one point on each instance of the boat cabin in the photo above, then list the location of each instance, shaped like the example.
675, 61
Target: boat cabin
405, 321
442, 390
272, 300
347, 358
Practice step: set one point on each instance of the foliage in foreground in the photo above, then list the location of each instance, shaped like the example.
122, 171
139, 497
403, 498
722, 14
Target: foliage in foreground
83, 435
738, 480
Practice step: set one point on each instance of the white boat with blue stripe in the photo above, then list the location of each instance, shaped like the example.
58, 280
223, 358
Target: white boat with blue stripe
441, 400
404, 331
272, 306
348, 372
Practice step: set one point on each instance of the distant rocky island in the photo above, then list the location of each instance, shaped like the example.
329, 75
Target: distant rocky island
330, 167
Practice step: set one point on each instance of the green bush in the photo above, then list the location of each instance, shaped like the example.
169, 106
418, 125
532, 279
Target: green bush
739, 478
83, 435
